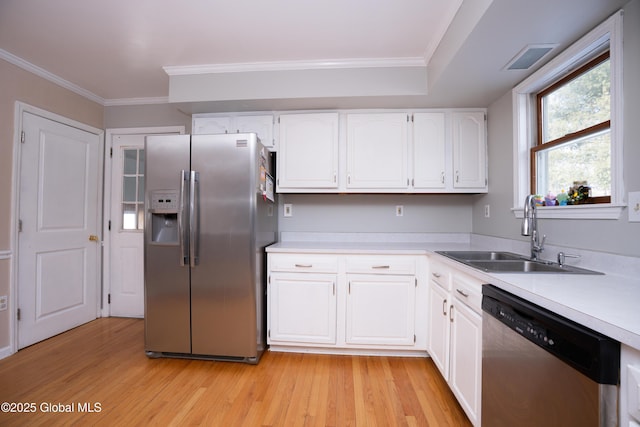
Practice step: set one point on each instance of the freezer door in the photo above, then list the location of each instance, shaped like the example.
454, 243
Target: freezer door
166, 274
225, 282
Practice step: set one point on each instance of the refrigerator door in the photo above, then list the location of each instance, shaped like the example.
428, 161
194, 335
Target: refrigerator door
166, 267
225, 279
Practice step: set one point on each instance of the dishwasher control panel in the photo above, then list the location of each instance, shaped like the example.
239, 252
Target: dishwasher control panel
525, 327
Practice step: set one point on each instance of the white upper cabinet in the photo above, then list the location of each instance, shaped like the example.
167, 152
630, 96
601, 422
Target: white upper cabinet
469, 150
206, 124
430, 154
308, 152
377, 152
261, 124
425, 151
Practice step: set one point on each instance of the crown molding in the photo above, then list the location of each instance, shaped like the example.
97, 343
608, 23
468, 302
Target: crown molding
41, 72
179, 70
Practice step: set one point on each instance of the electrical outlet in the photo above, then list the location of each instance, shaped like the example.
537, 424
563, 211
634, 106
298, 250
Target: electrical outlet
399, 210
288, 209
634, 206
487, 211
3, 303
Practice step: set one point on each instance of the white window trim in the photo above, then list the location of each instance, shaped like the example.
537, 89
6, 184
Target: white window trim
524, 123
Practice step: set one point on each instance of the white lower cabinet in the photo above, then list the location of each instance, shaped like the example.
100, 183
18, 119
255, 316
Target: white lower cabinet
455, 334
303, 308
465, 376
366, 305
381, 310
629, 386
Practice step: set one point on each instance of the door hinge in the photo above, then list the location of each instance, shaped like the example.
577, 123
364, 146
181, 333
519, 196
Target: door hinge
269, 333
22, 137
19, 226
18, 315
108, 298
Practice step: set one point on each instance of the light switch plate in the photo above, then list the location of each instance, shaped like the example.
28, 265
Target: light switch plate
288, 209
634, 206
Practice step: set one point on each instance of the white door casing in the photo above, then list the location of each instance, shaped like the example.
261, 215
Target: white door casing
58, 212
124, 244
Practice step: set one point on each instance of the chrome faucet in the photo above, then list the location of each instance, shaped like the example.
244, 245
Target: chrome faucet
530, 227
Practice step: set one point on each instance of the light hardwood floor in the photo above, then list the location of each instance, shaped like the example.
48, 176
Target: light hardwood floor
102, 366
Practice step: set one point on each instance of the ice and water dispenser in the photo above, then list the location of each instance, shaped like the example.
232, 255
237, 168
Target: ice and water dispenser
164, 217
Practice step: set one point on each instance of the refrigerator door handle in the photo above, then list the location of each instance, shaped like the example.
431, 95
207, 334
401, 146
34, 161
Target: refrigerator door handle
194, 219
181, 229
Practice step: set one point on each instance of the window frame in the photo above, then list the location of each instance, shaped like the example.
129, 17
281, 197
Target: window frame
606, 36
591, 130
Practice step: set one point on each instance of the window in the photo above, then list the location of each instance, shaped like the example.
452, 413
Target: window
562, 139
572, 157
133, 189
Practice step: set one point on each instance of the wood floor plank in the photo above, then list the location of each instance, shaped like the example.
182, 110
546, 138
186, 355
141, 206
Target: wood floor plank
102, 366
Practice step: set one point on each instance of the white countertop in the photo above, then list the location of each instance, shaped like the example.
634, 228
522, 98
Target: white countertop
609, 303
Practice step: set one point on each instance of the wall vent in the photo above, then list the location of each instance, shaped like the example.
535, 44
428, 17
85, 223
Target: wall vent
528, 56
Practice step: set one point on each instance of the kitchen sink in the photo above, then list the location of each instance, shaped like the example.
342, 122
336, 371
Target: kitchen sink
481, 255
508, 262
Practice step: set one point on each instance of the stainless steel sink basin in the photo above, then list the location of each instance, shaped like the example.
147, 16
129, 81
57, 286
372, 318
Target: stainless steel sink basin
508, 262
481, 255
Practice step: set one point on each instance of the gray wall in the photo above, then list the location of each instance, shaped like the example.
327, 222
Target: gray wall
614, 236
133, 116
371, 213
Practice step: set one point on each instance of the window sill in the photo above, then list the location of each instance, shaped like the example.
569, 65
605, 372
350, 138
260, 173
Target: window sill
603, 211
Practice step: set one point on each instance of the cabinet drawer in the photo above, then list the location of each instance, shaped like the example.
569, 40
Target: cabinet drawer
405, 265
440, 274
303, 263
468, 290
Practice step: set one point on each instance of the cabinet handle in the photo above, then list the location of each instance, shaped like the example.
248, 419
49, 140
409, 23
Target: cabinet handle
451, 313
334, 288
436, 275
304, 265
444, 307
442, 177
463, 293
334, 177
457, 176
383, 267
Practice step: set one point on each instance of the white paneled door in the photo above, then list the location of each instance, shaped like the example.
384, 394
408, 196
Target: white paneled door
124, 278
59, 243
127, 225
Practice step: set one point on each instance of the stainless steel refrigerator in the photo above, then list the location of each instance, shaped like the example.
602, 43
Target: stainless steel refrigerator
209, 215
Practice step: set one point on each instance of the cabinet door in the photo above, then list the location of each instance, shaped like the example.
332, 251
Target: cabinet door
377, 151
211, 125
308, 152
380, 310
429, 151
261, 125
469, 150
302, 308
439, 326
466, 359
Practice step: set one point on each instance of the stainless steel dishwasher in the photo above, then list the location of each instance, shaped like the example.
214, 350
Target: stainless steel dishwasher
541, 369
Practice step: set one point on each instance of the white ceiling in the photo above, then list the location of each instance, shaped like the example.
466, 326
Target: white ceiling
116, 49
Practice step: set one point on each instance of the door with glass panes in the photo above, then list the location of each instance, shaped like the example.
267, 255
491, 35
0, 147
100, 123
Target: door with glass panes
126, 248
